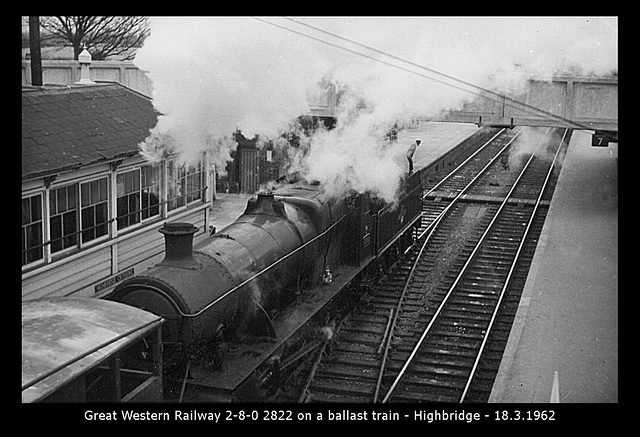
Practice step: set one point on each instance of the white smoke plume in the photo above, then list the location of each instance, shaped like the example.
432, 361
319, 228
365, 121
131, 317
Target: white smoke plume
528, 142
213, 75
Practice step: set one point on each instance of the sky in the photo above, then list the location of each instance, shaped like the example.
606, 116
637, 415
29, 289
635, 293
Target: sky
213, 75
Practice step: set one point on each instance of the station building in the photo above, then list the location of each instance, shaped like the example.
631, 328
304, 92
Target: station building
91, 204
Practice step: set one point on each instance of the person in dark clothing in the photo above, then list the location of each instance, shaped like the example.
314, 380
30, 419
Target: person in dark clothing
410, 153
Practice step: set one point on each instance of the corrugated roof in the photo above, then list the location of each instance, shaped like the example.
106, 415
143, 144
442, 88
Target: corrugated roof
68, 127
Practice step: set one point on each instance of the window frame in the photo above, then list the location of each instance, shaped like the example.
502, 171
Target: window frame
80, 230
142, 187
75, 235
153, 178
82, 207
41, 244
185, 178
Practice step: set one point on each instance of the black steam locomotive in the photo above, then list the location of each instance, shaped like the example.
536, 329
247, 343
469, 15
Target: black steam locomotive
228, 288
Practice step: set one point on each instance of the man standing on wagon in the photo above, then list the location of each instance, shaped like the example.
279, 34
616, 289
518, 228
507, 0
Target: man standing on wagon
410, 152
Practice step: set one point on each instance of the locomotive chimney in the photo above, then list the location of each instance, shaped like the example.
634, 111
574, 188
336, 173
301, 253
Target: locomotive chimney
265, 204
178, 243
265, 201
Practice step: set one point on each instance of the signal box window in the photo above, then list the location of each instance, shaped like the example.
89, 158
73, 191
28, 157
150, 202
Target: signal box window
32, 229
128, 191
63, 210
94, 209
138, 194
184, 184
150, 184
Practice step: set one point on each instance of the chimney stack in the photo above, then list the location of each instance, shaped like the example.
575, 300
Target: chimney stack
265, 204
84, 58
178, 240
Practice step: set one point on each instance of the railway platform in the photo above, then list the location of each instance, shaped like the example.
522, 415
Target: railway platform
437, 138
563, 346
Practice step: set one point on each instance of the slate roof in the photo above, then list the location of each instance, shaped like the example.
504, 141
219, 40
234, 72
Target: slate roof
64, 128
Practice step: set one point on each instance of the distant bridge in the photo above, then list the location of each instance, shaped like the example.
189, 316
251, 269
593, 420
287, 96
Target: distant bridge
564, 101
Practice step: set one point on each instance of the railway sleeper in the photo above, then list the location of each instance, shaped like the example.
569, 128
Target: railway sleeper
362, 336
402, 351
478, 298
370, 360
414, 304
347, 353
456, 323
326, 398
390, 287
361, 339
415, 295
427, 384
489, 296
436, 364
424, 266
427, 380
385, 305
493, 258
424, 273
344, 387
468, 310
457, 333
487, 292
368, 315
505, 248
488, 262
365, 325
482, 284
454, 344
509, 231
451, 376
407, 396
422, 395
371, 313
502, 252
487, 272
350, 373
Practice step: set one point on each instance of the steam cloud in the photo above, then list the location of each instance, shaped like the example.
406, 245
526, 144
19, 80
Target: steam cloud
213, 75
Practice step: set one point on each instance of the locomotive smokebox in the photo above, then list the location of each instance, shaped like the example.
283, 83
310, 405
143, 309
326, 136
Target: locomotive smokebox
178, 242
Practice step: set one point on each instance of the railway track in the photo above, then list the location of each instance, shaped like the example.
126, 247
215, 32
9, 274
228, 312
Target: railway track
435, 328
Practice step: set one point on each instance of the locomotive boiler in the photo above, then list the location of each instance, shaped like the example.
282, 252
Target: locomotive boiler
227, 287
237, 286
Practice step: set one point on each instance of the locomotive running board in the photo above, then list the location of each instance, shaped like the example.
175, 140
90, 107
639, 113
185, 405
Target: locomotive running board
301, 321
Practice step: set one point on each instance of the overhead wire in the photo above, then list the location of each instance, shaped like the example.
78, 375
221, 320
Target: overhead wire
359, 53
477, 90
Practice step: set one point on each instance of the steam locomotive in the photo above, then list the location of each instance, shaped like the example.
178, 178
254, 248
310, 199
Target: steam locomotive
229, 288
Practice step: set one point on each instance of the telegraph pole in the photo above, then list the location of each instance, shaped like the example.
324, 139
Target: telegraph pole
34, 49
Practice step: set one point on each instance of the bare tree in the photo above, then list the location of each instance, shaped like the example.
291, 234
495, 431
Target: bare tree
102, 36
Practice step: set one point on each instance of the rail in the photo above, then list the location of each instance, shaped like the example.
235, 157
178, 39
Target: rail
463, 271
512, 267
431, 229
